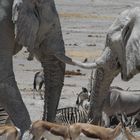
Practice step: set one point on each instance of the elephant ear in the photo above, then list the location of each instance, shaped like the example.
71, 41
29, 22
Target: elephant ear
123, 39
131, 48
26, 19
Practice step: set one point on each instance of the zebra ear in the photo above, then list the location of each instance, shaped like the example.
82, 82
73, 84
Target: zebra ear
84, 89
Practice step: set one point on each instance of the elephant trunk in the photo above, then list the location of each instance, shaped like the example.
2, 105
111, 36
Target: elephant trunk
54, 71
101, 86
103, 78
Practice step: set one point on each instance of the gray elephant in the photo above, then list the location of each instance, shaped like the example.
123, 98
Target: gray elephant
35, 25
121, 55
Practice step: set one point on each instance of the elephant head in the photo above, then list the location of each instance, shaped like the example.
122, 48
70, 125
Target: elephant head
121, 54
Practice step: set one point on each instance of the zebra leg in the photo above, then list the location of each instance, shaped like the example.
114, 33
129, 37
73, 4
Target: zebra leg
40, 86
41, 97
34, 86
34, 93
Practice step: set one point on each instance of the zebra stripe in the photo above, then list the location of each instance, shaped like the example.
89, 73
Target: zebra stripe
4, 117
70, 115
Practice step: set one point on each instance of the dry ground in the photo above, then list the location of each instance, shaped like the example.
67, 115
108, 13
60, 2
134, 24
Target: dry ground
84, 26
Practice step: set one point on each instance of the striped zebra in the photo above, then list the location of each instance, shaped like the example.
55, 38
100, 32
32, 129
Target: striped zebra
70, 115
4, 117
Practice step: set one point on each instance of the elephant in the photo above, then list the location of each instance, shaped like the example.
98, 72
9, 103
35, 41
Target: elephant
120, 55
34, 24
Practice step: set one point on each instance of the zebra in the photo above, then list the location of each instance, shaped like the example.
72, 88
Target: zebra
38, 80
70, 115
82, 96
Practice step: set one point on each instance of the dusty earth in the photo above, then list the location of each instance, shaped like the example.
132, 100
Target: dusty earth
84, 26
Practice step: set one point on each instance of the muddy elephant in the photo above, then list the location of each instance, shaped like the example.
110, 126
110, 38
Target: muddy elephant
120, 55
34, 24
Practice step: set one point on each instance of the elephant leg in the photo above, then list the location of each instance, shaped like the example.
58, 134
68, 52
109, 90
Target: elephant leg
12, 102
10, 97
54, 71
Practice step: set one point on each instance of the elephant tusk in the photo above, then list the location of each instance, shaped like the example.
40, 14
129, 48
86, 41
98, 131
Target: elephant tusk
65, 59
86, 65
100, 62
